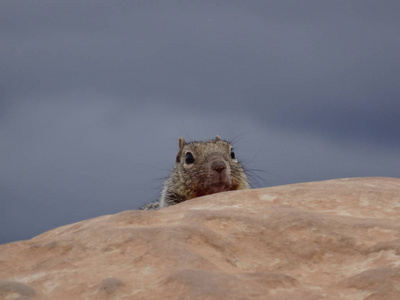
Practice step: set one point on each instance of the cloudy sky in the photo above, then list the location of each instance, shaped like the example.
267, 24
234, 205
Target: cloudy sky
94, 95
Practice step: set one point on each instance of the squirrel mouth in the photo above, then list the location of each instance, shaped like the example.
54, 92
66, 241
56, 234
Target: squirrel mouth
217, 187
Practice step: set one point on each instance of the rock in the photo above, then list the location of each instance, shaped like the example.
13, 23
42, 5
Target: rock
10, 288
337, 239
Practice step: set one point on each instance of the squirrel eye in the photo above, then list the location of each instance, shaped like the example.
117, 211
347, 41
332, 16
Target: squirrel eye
232, 154
189, 158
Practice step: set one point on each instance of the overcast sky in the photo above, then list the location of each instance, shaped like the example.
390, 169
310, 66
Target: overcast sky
94, 95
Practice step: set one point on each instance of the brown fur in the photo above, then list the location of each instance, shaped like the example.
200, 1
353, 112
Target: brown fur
201, 168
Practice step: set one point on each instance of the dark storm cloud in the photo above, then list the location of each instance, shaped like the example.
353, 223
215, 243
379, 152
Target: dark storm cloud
94, 94
307, 64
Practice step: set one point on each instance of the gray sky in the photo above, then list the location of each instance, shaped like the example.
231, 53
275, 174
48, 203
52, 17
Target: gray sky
94, 95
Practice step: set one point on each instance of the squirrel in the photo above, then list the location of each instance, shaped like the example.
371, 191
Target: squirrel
201, 168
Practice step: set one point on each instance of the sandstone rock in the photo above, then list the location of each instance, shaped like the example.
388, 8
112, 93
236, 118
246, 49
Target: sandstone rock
337, 239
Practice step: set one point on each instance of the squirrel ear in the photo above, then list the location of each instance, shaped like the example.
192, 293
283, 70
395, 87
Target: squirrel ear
182, 143
218, 138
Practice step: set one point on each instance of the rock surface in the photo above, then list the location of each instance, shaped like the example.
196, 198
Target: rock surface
337, 239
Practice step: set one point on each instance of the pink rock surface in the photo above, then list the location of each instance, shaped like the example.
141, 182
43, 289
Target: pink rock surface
337, 239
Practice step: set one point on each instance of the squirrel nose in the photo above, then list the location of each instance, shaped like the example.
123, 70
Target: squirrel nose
218, 166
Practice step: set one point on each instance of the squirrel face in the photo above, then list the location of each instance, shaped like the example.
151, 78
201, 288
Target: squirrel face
208, 167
